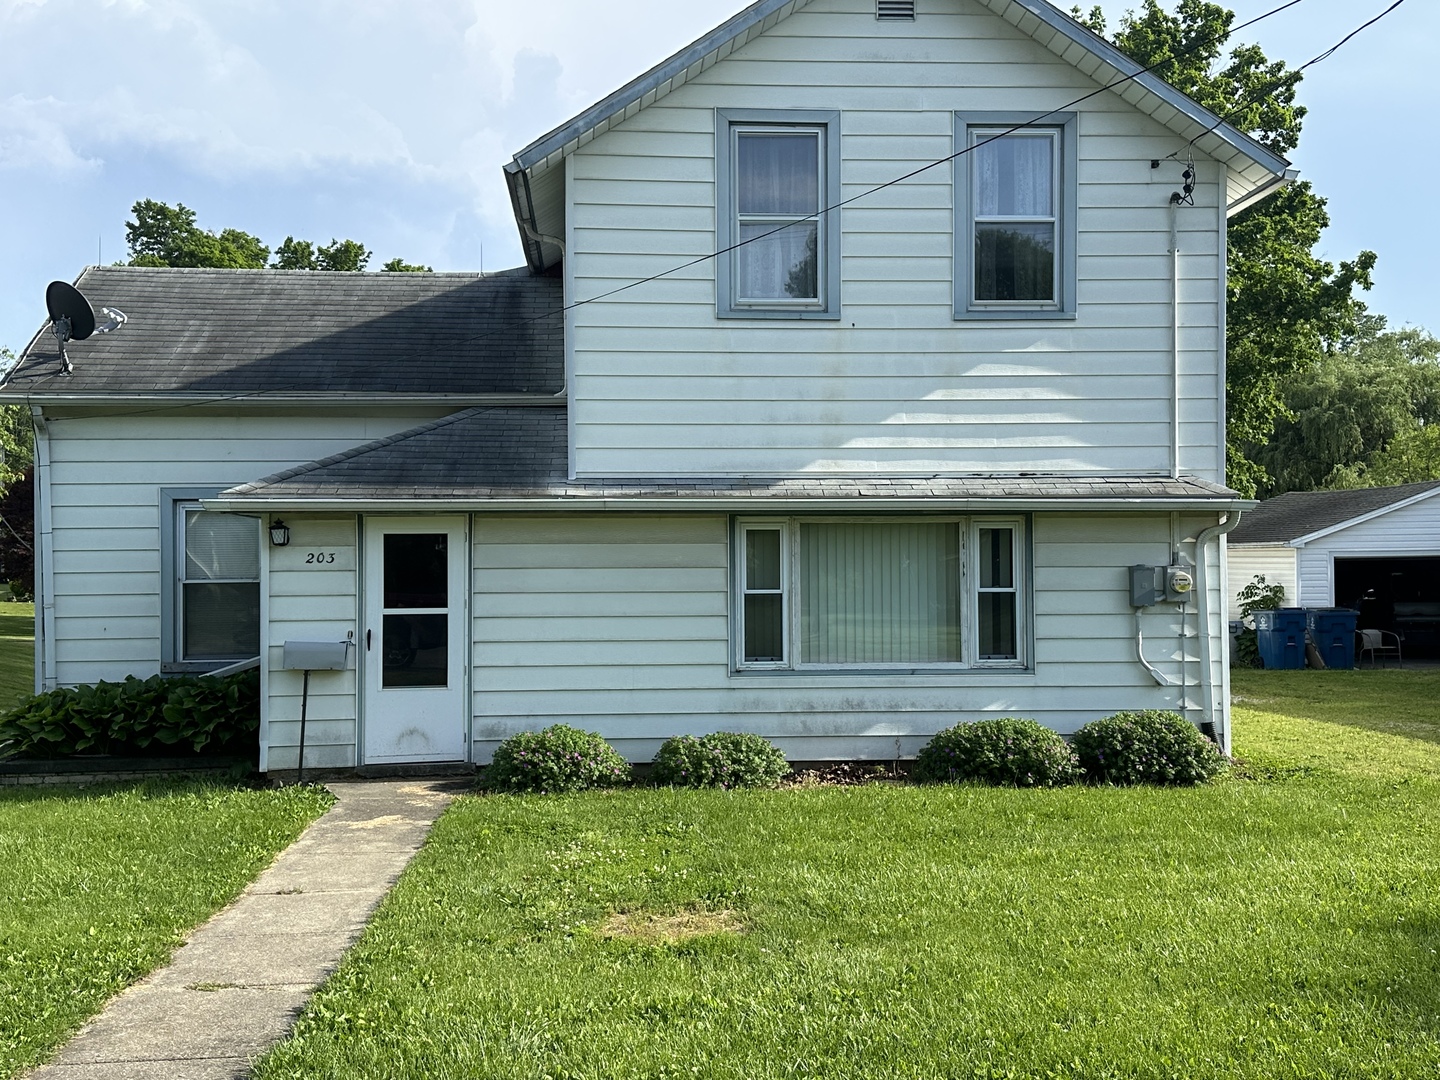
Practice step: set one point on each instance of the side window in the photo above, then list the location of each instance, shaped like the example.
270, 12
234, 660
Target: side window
776, 172
211, 586
1015, 209
762, 595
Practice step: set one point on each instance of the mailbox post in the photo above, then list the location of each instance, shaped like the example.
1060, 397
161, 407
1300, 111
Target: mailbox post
308, 656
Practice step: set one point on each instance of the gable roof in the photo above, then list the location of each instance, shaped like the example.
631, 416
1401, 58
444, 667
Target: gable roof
1301, 515
536, 185
272, 333
514, 457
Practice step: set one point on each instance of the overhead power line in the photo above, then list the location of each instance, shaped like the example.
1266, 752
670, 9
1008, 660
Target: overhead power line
1193, 47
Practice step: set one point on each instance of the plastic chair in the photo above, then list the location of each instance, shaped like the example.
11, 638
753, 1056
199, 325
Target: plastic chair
1374, 642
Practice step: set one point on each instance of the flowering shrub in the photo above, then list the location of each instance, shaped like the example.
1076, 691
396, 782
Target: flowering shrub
558, 759
726, 759
1006, 752
1150, 747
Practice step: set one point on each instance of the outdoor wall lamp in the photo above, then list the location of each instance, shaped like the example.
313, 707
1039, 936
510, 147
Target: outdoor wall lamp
279, 533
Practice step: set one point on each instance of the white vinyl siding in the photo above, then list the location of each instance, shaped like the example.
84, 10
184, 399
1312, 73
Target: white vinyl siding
1275, 562
660, 387
311, 601
104, 481
621, 624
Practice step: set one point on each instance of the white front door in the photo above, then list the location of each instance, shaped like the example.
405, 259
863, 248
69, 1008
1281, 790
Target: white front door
415, 639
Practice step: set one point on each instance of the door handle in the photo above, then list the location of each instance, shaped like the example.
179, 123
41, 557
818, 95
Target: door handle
367, 640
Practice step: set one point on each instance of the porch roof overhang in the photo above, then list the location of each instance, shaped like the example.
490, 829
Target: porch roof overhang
515, 459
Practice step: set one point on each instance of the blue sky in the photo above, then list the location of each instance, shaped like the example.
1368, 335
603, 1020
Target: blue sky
388, 121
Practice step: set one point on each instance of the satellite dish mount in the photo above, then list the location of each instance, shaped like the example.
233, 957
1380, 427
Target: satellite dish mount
73, 319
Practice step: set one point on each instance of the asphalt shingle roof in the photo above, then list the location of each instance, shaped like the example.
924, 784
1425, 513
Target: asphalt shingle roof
520, 452
1299, 513
305, 332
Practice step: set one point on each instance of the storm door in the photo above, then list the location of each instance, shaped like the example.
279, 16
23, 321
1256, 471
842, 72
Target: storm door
415, 640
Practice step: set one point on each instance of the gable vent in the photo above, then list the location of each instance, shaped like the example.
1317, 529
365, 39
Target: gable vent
895, 10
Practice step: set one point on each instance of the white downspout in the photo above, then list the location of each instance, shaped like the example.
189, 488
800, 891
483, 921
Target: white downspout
45, 678
1175, 335
1202, 586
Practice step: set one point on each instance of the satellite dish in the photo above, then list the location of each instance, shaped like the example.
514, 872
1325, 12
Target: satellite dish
73, 319
67, 303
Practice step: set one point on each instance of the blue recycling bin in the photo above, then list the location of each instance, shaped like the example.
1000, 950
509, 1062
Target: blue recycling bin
1333, 632
1281, 637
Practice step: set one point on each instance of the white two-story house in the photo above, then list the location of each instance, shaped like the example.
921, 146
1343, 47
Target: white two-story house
863, 350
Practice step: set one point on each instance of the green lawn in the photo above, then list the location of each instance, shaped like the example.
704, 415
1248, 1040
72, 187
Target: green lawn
1286, 926
17, 652
96, 886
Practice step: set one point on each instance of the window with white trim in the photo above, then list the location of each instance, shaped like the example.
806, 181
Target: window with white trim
776, 173
217, 594
1015, 205
830, 594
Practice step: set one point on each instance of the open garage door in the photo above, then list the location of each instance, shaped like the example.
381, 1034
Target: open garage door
1398, 594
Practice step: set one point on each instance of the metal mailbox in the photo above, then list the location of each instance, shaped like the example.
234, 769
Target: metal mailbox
316, 655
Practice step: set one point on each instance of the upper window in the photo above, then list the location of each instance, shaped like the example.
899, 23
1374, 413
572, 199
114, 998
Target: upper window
879, 594
212, 586
777, 173
1015, 196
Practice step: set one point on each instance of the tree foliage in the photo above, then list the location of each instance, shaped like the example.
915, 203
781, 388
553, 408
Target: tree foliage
17, 435
1367, 414
1286, 306
398, 265
164, 235
344, 255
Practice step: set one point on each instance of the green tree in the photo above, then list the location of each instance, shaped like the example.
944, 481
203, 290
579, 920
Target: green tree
1363, 415
162, 235
1285, 305
17, 435
398, 265
345, 255
294, 255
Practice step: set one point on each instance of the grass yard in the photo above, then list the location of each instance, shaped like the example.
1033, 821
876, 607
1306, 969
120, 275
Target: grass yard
17, 652
96, 886
1279, 926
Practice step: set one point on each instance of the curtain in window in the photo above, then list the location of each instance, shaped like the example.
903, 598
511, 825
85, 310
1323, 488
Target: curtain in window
778, 173
880, 593
1013, 176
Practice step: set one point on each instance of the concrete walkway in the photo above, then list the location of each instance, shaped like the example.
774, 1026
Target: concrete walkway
235, 988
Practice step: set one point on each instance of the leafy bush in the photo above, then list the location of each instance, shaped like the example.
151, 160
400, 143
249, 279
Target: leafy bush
1257, 596
558, 759
726, 759
1150, 747
137, 716
1007, 752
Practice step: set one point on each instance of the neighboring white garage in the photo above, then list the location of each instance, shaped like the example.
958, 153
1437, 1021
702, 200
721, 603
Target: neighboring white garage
1376, 550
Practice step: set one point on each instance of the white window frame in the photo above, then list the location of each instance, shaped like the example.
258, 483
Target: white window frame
743, 590
972, 129
730, 124
174, 503
968, 528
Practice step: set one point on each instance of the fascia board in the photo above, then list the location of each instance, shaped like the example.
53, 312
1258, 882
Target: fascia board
1350, 523
760, 505
1015, 12
653, 84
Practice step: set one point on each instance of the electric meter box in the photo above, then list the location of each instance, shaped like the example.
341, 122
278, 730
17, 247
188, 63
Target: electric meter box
1150, 585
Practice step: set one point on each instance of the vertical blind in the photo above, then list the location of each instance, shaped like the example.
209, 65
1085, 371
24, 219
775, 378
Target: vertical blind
880, 593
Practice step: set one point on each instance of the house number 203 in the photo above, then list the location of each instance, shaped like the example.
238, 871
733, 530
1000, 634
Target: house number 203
319, 558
